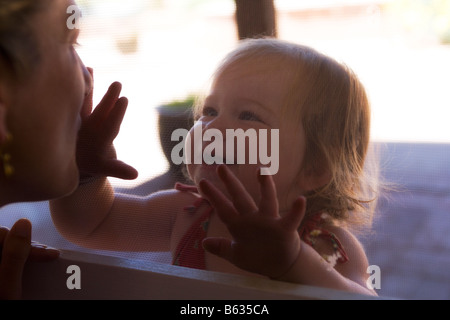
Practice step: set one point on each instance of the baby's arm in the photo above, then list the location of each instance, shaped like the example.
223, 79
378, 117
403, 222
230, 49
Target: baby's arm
93, 216
311, 269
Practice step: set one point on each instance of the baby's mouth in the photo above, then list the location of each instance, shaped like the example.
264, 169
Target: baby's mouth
216, 157
216, 160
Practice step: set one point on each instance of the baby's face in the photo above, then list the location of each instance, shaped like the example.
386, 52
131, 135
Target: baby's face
251, 98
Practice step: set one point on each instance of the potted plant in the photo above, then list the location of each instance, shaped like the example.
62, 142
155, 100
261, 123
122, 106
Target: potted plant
171, 116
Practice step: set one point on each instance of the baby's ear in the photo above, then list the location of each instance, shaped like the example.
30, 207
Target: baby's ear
314, 177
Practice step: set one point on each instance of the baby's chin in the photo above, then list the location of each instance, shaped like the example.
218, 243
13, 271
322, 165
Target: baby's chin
207, 172
243, 173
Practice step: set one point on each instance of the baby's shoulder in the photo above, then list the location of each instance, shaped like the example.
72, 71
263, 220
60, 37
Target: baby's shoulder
356, 266
346, 237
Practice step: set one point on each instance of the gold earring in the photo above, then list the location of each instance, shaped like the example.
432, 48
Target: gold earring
5, 158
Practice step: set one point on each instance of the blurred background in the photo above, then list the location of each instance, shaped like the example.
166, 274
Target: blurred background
166, 50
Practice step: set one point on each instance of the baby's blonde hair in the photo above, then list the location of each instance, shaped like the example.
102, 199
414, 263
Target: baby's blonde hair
331, 104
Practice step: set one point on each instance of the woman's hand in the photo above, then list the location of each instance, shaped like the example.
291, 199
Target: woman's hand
16, 249
263, 241
96, 155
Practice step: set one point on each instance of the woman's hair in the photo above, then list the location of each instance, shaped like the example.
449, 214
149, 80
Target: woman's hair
18, 44
330, 102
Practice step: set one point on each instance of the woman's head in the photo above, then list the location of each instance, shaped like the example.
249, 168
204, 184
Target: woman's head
323, 109
18, 43
43, 84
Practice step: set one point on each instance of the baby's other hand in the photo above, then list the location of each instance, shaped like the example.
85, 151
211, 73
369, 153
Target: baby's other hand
263, 241
96, 155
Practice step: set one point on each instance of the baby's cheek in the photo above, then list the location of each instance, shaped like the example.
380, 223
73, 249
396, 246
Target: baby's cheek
190, 170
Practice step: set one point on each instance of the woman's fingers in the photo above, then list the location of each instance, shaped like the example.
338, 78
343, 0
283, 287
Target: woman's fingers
42, 253
3, 232
16, 248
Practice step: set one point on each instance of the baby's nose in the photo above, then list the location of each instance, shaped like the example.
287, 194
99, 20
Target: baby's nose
220, 123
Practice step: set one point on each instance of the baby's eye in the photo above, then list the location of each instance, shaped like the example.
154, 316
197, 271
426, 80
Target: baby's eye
249, 116
209, 112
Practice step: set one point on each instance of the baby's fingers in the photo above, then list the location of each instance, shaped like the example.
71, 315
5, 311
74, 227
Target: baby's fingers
119, 169
293, 219
102, 110
224, 207
114, 121
269, 202
241, 199
220, 247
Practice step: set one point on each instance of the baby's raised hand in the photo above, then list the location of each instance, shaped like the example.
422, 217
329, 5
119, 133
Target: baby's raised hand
263, 241
96, 155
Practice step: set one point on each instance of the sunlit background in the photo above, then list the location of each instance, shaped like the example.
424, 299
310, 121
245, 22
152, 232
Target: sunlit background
166, 50
162, 50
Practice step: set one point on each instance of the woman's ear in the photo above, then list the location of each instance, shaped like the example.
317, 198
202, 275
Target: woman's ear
3, 113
